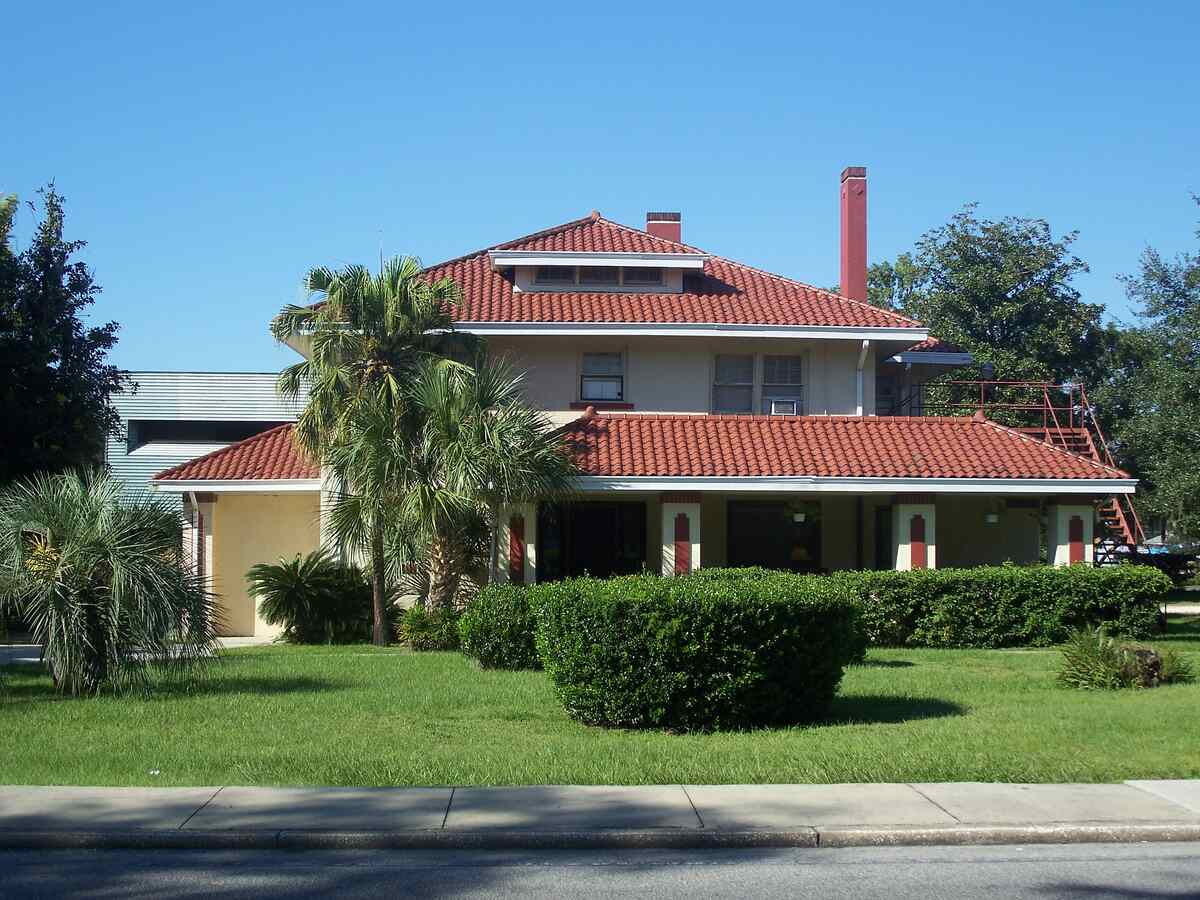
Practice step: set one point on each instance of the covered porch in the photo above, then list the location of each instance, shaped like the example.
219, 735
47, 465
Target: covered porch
674, 533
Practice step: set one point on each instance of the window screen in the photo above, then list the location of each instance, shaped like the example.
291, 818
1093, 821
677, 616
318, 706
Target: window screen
597, 275
643, 275
733, 385
555, 274
783, 380
603, 377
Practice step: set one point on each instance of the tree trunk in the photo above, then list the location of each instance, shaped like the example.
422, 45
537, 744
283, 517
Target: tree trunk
444, 572
379, 632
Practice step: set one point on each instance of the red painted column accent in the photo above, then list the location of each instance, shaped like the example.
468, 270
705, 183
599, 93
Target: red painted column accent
683, 545
917, 557
516, 549
1075, 538
854, 233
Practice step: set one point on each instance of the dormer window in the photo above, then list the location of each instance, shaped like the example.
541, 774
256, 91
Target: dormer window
641, 275
555, 275
601, 276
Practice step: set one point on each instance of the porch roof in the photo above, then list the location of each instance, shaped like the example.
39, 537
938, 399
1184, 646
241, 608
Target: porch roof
874, 447
271, 455
637, 446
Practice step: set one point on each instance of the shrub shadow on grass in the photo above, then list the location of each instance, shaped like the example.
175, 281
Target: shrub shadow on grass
874, 709
884, 664
216, 684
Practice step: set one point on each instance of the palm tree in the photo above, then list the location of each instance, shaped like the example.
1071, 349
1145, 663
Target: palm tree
462, 442
364, 337
102, 581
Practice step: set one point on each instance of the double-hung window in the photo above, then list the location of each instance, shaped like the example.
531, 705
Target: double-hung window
733, 383
783, 385
603, 377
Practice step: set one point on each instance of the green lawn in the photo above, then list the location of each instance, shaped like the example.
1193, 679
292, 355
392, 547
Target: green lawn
360, 716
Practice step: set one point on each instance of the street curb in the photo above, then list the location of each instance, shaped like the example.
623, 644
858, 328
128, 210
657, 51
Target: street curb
660, 839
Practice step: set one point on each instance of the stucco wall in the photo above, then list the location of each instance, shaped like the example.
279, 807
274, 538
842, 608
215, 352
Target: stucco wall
256, 528
676, 374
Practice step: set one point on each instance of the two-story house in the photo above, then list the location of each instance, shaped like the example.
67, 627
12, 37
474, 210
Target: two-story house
720, 415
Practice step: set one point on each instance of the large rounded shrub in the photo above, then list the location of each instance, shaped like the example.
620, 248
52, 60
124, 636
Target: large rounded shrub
497, 628
694, 653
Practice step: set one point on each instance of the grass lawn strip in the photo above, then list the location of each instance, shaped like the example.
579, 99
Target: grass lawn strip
356, 715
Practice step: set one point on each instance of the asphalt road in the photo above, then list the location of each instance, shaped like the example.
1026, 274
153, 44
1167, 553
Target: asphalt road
1128, 871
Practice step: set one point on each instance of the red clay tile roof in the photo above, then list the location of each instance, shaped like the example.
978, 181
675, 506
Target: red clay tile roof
594, 234
724, 446
726, 293
271, 455
817, 446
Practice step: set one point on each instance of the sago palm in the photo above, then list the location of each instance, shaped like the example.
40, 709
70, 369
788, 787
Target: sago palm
364, 335
102, 581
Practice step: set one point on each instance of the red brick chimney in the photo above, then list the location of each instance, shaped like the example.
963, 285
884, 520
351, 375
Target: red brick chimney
666, 225
854, 232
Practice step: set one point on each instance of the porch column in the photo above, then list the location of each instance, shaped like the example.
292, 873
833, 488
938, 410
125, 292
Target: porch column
1069, 531
325, 504
680, 534
517, 534
914, 530
198, 535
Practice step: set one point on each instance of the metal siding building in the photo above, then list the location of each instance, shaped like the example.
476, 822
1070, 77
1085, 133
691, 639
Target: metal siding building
176, 416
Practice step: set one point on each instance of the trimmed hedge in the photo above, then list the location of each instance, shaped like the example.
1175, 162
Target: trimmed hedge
1004, 606
695, 652
497, 628
428, 630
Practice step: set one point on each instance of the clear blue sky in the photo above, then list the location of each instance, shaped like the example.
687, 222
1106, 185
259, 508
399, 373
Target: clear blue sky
211, 152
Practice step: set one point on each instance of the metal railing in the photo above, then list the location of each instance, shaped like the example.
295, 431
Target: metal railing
1061, 414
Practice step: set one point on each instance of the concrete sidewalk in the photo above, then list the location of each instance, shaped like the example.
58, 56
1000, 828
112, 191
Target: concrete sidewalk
662, 816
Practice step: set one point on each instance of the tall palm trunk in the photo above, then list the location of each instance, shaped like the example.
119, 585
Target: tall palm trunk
444, 572
379, 633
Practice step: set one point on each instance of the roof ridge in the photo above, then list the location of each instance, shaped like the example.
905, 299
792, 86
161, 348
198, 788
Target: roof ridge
223, 450
1025, 437
554, 229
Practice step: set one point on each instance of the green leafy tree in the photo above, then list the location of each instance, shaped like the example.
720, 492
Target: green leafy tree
463, 442
102, 582
55, 380
362, 339
1001, 290
1154, 388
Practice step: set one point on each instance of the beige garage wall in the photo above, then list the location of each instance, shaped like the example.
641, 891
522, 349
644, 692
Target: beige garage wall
254, 528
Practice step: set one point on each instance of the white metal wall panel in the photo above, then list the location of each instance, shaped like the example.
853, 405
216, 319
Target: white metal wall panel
189, 396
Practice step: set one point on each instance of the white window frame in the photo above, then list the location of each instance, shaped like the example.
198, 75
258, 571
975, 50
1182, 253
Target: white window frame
623, 377
753, 357
791, 391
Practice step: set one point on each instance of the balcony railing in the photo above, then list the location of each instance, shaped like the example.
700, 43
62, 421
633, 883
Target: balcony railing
1060, 414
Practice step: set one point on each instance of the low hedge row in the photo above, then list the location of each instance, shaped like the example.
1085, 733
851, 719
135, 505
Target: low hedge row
991, 606
1004, 606
694, 653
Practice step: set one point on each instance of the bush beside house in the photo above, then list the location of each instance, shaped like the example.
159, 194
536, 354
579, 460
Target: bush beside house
497, 628
694, 654
316, 599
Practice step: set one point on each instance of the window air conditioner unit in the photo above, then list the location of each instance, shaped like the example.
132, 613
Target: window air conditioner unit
784, 408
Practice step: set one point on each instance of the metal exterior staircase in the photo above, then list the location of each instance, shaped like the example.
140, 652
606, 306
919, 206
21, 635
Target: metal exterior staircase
1065, 418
